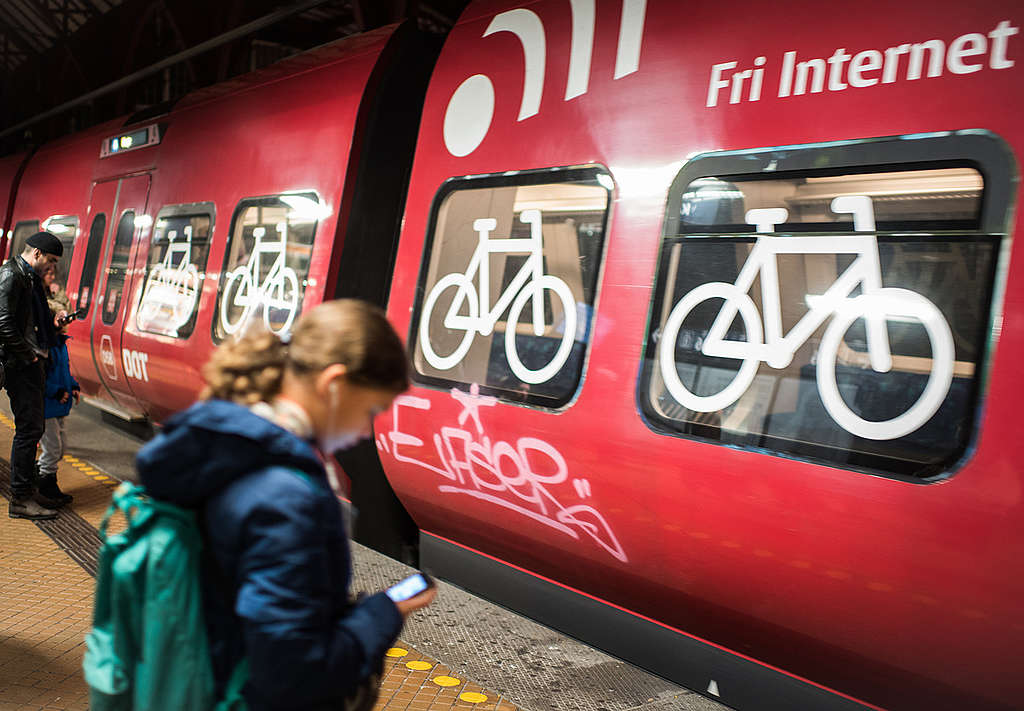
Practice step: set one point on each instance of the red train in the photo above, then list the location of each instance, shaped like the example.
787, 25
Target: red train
715, 316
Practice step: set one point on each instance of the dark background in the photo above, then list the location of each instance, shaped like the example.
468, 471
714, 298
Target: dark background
66, 65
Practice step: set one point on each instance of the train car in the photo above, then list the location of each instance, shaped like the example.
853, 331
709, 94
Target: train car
715, 323
713, 317
11, 168
182, 227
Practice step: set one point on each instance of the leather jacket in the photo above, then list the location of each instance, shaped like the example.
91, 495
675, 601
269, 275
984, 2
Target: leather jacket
16, 312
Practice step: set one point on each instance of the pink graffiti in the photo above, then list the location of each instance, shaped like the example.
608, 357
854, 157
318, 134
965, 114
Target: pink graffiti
516, 476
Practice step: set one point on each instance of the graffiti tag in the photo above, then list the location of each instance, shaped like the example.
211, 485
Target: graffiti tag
520, 476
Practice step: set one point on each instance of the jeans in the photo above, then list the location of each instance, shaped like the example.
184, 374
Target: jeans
51, 446
25, 389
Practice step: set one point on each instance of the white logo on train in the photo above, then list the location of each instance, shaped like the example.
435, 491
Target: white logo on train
107, 357
470, 110
875, 304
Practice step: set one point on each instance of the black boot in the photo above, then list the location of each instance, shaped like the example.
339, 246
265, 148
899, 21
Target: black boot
27, 507
49, 494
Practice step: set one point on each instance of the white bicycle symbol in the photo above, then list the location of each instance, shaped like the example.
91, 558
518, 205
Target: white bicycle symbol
529, 283
876, 305
244, 293
173, 283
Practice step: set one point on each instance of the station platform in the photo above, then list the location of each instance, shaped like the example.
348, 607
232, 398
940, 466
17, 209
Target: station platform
460, 653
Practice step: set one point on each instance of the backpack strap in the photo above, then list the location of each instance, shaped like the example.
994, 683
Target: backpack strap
126, 499
233, 699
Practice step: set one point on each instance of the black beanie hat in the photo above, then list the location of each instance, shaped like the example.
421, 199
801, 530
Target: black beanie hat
46, 243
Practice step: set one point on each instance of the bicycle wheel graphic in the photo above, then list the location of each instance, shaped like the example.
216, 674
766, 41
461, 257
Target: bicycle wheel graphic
236, 301
531, 290
667, 347
186, 288
464, 293
895, 303
282, 302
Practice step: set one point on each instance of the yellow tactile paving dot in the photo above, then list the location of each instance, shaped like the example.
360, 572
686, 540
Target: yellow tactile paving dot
410, 683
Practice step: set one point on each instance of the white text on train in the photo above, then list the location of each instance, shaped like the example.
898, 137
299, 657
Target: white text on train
135, 364
964, 55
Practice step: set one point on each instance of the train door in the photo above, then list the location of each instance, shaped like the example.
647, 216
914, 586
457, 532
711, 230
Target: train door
106, 282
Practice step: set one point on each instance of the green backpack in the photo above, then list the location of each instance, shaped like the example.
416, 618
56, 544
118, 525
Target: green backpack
148, 647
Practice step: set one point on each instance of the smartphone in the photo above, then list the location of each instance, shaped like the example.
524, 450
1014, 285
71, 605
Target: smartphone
410, 587
68, 318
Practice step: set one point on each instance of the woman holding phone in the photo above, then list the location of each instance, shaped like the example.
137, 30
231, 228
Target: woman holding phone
248, 456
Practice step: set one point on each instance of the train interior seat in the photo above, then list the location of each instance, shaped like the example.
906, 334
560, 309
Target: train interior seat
809, 426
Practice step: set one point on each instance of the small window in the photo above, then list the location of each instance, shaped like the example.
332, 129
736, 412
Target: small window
92, 260
508, 283
66, 230
117, 271
22, 231
266, 264
839, 314
175, 270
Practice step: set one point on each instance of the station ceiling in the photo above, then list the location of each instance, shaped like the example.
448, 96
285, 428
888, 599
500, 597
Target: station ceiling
54, 53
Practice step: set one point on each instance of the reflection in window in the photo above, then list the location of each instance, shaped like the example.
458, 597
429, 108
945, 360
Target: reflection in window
509, 287
267, 263
66, 230
92, 260
851, 332
117, 271
22, 231
175, 270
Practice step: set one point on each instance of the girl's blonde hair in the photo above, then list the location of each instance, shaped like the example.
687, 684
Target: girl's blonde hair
347, 331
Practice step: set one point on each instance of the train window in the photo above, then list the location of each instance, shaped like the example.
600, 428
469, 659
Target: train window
117, 270
66, 230
508, 283
175, 270
835, 313
22, 231
266, 263
92, 260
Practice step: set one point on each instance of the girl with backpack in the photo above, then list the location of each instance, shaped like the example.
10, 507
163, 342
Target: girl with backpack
276, 563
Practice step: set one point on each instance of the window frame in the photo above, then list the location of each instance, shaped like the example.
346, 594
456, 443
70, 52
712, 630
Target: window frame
98, 254
984, 151
540, 176
207, 208
14, 233
110, 265
69, 247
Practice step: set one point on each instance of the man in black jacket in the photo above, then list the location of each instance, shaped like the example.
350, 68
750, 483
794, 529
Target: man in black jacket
26, 334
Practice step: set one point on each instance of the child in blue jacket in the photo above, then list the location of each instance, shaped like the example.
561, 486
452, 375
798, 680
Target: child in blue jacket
61, 388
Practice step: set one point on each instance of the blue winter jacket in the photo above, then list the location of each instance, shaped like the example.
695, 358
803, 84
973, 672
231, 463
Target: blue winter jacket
278, 568
58, 377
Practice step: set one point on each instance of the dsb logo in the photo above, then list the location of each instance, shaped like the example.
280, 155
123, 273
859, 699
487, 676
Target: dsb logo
107, 357
471, 108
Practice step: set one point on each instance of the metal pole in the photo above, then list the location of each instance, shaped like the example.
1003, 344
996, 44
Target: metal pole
245, 29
